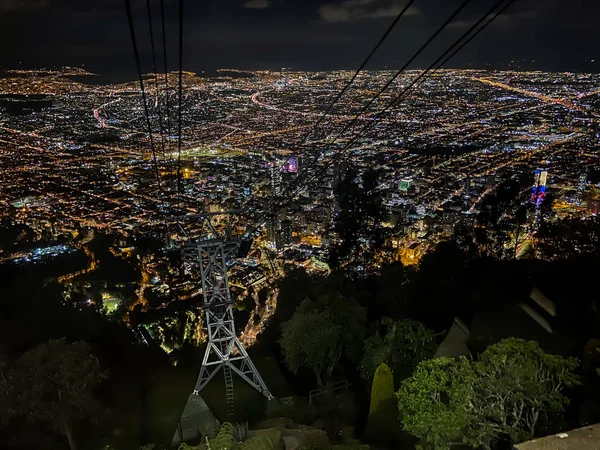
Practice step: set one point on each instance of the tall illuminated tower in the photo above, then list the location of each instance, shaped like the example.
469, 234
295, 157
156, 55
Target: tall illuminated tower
275, 180
538, 191
581, 188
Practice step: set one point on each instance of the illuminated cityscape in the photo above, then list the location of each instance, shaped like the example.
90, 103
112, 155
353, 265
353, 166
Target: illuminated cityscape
76, 155
76, 162
299, 250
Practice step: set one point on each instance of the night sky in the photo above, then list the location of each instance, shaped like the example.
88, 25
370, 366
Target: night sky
299, 34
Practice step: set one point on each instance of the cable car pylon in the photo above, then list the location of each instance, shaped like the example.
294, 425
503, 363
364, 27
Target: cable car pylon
209, 252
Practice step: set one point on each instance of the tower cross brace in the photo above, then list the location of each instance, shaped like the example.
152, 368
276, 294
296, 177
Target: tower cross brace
224, 349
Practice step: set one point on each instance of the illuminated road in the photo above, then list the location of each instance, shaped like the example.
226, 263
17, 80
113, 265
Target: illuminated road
93, 264
545, 98
251, 331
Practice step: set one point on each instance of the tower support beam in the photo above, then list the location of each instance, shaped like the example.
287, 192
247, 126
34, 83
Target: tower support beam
223, 348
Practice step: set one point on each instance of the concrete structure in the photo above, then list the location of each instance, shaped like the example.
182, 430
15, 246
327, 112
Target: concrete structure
196, 421
586, 438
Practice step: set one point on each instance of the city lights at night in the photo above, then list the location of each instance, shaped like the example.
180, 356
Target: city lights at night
300, 225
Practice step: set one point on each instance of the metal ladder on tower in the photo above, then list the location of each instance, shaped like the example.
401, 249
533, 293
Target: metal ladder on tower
228, 390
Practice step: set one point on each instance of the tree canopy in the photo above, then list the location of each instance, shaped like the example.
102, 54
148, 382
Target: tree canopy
434, 402
358, 221
518, 383
53, 383
400, 344
502, 396
320, 331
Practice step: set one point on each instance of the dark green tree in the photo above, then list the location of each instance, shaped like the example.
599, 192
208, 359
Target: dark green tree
358, 221
296, 286
499, 212
434, 402
3, 364
440, 286
392, 292
320, 332
400, 344
504, 395
53, 383
229, 438
340, 447
518, 384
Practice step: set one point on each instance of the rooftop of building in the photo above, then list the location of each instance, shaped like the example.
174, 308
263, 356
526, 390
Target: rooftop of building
586, 438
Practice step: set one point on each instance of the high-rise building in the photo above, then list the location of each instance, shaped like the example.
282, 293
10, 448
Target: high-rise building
405, 184
286, 231
271, 231
538, 191
279, 239
581, 188
275, 180
291, 165
340, 170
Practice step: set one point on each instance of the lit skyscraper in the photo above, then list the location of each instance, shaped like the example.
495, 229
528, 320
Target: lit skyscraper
290, 166
275, 180
405, 184
538, 191
286, 231
581, 188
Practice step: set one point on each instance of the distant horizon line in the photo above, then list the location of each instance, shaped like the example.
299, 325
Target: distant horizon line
87, 71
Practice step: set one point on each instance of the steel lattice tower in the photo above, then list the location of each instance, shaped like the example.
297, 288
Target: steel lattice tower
210, 253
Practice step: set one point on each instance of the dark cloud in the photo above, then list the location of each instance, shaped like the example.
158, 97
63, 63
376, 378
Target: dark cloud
305, 34
257, 4
539, 13
22, 5
356, 10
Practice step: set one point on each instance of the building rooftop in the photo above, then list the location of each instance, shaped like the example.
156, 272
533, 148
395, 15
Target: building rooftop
586, 438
